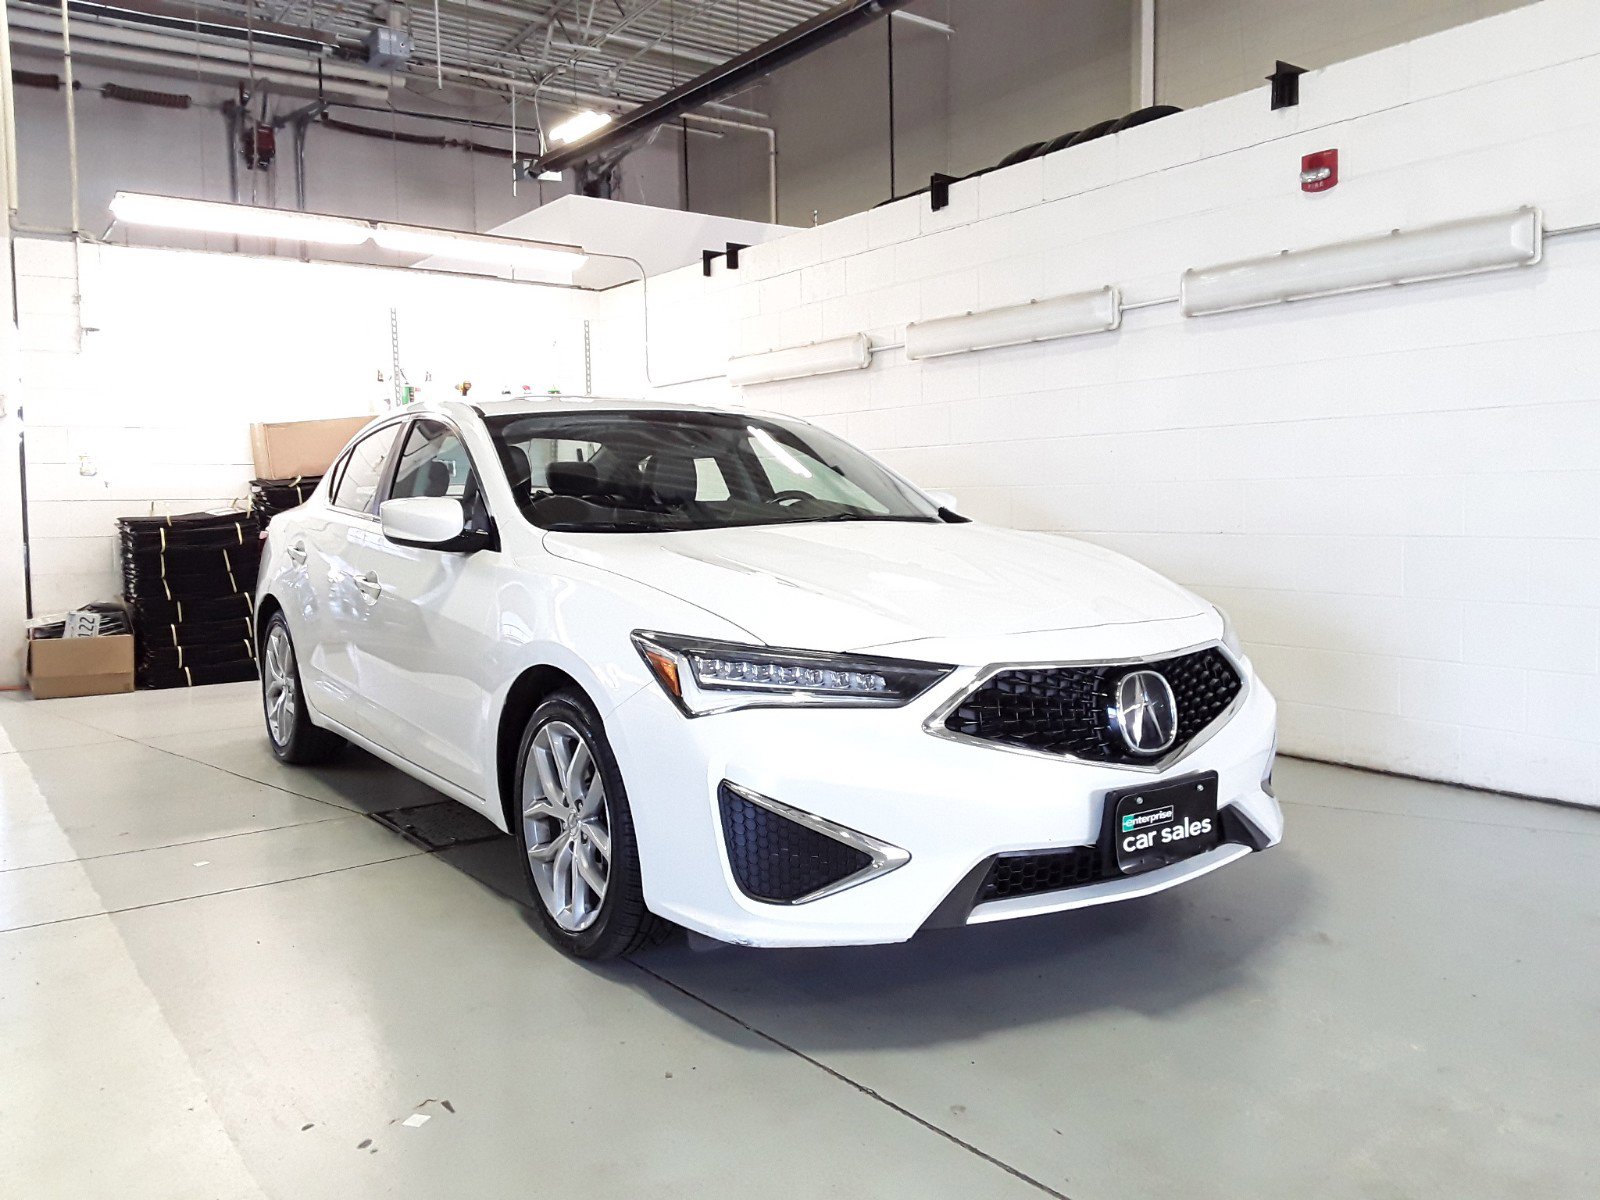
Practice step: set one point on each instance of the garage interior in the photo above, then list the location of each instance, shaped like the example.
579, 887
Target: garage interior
1296, 304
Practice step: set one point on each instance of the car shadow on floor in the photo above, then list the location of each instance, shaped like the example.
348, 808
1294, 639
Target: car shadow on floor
1152, 956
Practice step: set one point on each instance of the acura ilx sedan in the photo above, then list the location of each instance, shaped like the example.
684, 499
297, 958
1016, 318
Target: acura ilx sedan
722, 670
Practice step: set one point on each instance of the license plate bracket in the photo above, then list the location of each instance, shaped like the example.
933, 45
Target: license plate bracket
1163, 823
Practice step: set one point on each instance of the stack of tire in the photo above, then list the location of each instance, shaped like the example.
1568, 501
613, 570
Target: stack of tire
269, 497
189, 582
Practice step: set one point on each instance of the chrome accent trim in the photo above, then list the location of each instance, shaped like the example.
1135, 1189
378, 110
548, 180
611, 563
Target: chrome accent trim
1109, 891
935, 723
885, 857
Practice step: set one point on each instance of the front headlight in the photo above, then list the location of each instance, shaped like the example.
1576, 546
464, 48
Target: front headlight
704, 676
1230, 636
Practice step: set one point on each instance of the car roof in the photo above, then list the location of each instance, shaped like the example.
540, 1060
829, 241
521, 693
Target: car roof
528, 405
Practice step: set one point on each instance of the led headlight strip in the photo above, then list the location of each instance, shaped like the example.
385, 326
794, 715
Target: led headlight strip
704, 676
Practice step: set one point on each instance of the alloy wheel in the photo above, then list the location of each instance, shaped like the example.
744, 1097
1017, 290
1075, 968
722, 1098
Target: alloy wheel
566, 823
279, 685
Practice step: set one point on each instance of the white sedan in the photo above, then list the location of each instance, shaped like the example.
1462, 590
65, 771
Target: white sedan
723, 670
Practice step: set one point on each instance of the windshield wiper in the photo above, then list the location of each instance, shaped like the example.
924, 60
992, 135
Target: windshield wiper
850, 516
607, 527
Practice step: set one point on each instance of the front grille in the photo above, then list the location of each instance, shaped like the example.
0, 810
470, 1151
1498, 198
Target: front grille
779, 860
1047, 871
1066, 710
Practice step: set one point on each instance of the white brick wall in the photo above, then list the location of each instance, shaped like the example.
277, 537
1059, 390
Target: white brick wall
1397, 494
180, 352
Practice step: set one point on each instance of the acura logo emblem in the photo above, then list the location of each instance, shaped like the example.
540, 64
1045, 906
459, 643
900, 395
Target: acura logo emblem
1146, 714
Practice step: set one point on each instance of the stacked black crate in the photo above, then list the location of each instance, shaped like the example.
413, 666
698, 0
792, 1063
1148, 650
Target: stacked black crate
269, 497
189, 581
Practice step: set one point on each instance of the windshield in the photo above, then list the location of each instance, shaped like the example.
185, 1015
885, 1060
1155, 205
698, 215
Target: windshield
630, 472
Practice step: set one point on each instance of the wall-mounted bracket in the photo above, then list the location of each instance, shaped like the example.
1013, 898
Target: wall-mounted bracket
1285, 83
939, 190
730, 252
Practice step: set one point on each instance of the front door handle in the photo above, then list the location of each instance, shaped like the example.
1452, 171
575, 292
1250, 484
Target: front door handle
368, 586
297, 553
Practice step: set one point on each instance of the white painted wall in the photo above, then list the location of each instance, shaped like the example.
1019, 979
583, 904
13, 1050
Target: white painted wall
1397, 494
154, 384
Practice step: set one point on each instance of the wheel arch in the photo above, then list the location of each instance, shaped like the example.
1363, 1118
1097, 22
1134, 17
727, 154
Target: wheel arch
529, 690
265, 610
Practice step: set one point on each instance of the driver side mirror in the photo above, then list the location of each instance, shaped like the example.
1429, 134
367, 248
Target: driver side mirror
431, 523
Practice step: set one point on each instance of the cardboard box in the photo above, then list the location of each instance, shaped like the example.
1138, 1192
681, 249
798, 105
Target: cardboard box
289, 448
80, 666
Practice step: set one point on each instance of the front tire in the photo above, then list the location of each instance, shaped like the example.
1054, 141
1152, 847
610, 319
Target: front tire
293, 737
575, 831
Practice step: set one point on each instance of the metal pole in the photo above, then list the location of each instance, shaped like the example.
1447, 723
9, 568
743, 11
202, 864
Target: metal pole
1147, 53
8, 118
72, 118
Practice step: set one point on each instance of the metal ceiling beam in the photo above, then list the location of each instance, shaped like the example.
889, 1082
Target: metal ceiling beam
829, 26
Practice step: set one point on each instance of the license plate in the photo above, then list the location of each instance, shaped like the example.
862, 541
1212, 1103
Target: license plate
1162, 824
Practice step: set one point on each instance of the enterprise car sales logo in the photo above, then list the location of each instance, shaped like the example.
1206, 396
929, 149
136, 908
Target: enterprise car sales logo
1156, 816
1142, 831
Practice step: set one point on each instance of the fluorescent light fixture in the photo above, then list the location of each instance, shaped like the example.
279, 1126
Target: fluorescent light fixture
1466, 247
580, 126
550, 176
242, 220
246, 220
478, 247
852, 353
1041, 321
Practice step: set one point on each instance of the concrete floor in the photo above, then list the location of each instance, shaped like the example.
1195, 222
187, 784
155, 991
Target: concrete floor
218, 978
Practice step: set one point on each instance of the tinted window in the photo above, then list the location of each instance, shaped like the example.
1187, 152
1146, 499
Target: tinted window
433, 463
363, 470
662, 470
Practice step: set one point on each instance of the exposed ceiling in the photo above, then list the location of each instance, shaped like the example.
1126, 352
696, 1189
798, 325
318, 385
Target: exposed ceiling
589, 51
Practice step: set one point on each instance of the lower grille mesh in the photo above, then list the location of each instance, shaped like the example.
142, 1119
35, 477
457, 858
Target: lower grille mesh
1048, 871
776, 859
1065, 710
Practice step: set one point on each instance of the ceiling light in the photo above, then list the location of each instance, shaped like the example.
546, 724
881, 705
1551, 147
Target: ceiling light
242, 220
1465, 247
479, 248
580, 126
820, 358
1040, 321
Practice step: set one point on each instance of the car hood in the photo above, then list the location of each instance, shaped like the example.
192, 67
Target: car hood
869, 584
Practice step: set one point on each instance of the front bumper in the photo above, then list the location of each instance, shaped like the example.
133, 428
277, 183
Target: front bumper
952, 806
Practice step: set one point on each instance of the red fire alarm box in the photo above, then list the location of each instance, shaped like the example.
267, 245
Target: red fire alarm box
1319, 171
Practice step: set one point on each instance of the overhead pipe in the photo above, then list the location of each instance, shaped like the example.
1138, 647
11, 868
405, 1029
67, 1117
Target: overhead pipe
723, 80
179, 55
772, 155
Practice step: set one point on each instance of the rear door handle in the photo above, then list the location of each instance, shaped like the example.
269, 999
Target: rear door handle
368, 585
297, 554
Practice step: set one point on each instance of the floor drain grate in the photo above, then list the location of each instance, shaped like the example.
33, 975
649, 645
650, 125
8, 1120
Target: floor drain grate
439, 826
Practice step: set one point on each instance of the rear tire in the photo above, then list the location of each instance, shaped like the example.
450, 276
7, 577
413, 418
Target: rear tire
294, 739
575, 831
